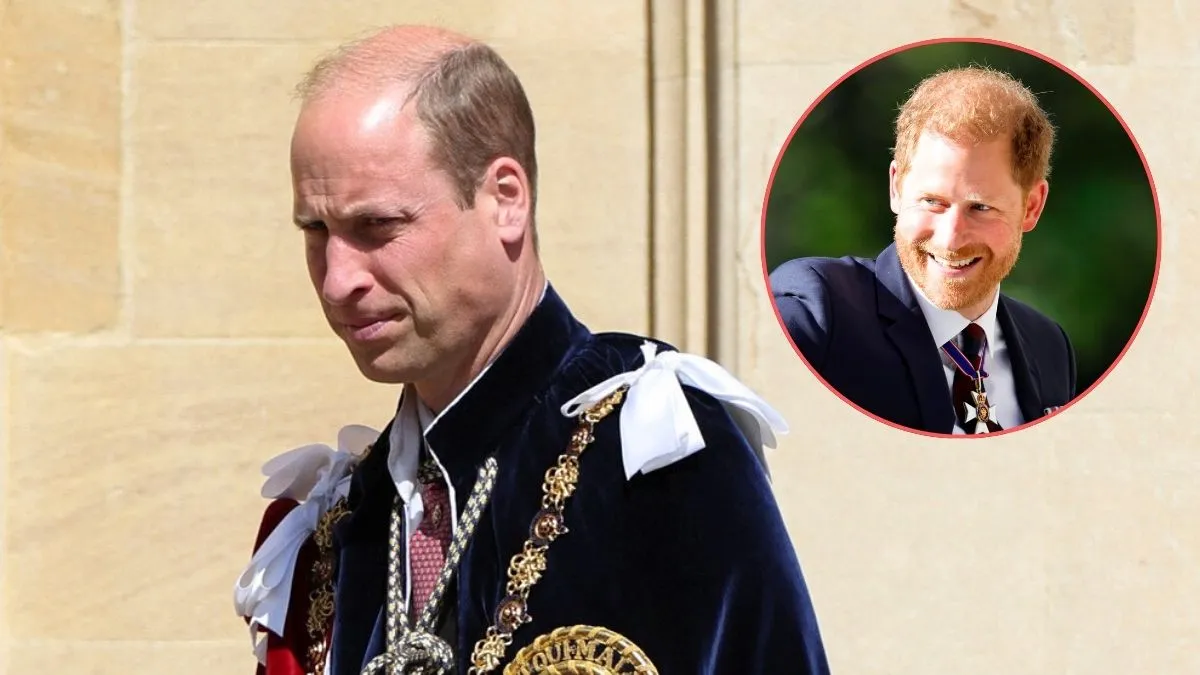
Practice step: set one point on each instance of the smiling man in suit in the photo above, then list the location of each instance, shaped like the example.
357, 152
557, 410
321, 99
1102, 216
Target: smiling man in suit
921, 335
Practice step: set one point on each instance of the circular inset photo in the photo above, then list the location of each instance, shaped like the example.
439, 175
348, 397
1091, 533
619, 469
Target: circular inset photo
961, 237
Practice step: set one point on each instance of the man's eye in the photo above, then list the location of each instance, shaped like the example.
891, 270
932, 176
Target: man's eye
982, 207
388, 221
315, 226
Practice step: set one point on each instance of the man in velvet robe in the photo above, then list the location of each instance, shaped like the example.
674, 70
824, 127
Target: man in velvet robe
415, 188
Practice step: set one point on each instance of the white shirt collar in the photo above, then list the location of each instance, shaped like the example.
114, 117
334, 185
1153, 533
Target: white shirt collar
946, 324
404, 443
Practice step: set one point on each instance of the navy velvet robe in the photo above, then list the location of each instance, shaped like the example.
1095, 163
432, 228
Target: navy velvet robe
691, 562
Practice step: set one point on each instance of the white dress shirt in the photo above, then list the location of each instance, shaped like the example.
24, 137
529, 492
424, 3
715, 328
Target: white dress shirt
405, 441
946, 325
413, 421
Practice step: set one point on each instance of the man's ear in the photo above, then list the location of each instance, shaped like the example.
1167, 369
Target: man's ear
1035, 203
508, 187
894, 180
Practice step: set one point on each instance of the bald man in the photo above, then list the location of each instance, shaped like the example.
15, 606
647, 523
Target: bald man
544, 494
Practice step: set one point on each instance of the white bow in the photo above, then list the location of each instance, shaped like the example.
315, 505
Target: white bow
657, 424
317, 476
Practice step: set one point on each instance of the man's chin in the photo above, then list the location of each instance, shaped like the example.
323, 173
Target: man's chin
953, 297
384, 376
384, 368
949, 293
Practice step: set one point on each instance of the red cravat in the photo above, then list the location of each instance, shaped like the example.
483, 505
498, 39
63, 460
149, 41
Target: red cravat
428, 543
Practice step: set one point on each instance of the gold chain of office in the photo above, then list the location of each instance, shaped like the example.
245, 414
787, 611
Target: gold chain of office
524, 569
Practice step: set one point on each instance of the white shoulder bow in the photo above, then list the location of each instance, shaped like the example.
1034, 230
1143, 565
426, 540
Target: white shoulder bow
317, 476
657, 424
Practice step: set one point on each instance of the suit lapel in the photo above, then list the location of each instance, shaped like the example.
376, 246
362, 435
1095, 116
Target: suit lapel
908, 331
1024, 369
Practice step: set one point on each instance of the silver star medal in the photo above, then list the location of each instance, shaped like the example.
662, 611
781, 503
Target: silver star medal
981, 412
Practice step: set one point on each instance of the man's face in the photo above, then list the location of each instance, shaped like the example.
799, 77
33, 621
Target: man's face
408, 280
960, 216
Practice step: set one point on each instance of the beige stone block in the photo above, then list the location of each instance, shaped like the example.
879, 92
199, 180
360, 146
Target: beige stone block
772, 99
61, 265
682, 106
5, 424
1151, 371
593, 186
3, 272
553, 25
1165, 32
921, 555
302, 20
3, 153
60, 167
33, 657
1157, 105
211, 202
1070, 31
61, 87
134, 481
1121, 542
1065, 548
903, 538
783, 32
778, 31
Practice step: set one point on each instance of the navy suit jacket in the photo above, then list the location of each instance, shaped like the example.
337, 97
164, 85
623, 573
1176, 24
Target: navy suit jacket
692, 562
858, 324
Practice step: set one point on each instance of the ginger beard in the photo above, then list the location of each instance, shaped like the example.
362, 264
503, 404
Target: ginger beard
960, 219
956, 289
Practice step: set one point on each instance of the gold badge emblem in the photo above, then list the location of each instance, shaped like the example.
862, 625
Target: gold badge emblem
581, 650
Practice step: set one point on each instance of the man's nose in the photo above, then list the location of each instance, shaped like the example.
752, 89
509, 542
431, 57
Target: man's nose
951, 229
346, 272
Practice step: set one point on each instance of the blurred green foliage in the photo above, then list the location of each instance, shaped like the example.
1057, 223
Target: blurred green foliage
1088, 264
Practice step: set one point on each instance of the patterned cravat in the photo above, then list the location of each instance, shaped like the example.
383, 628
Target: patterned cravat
972, 347
428, 543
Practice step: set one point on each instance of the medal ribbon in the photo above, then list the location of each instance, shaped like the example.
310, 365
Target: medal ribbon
964, 364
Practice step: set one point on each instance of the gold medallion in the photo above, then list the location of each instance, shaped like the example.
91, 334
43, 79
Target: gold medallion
982, 412
581, 650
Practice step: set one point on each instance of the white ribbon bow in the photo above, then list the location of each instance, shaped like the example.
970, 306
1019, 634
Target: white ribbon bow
657, 424
317, 476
